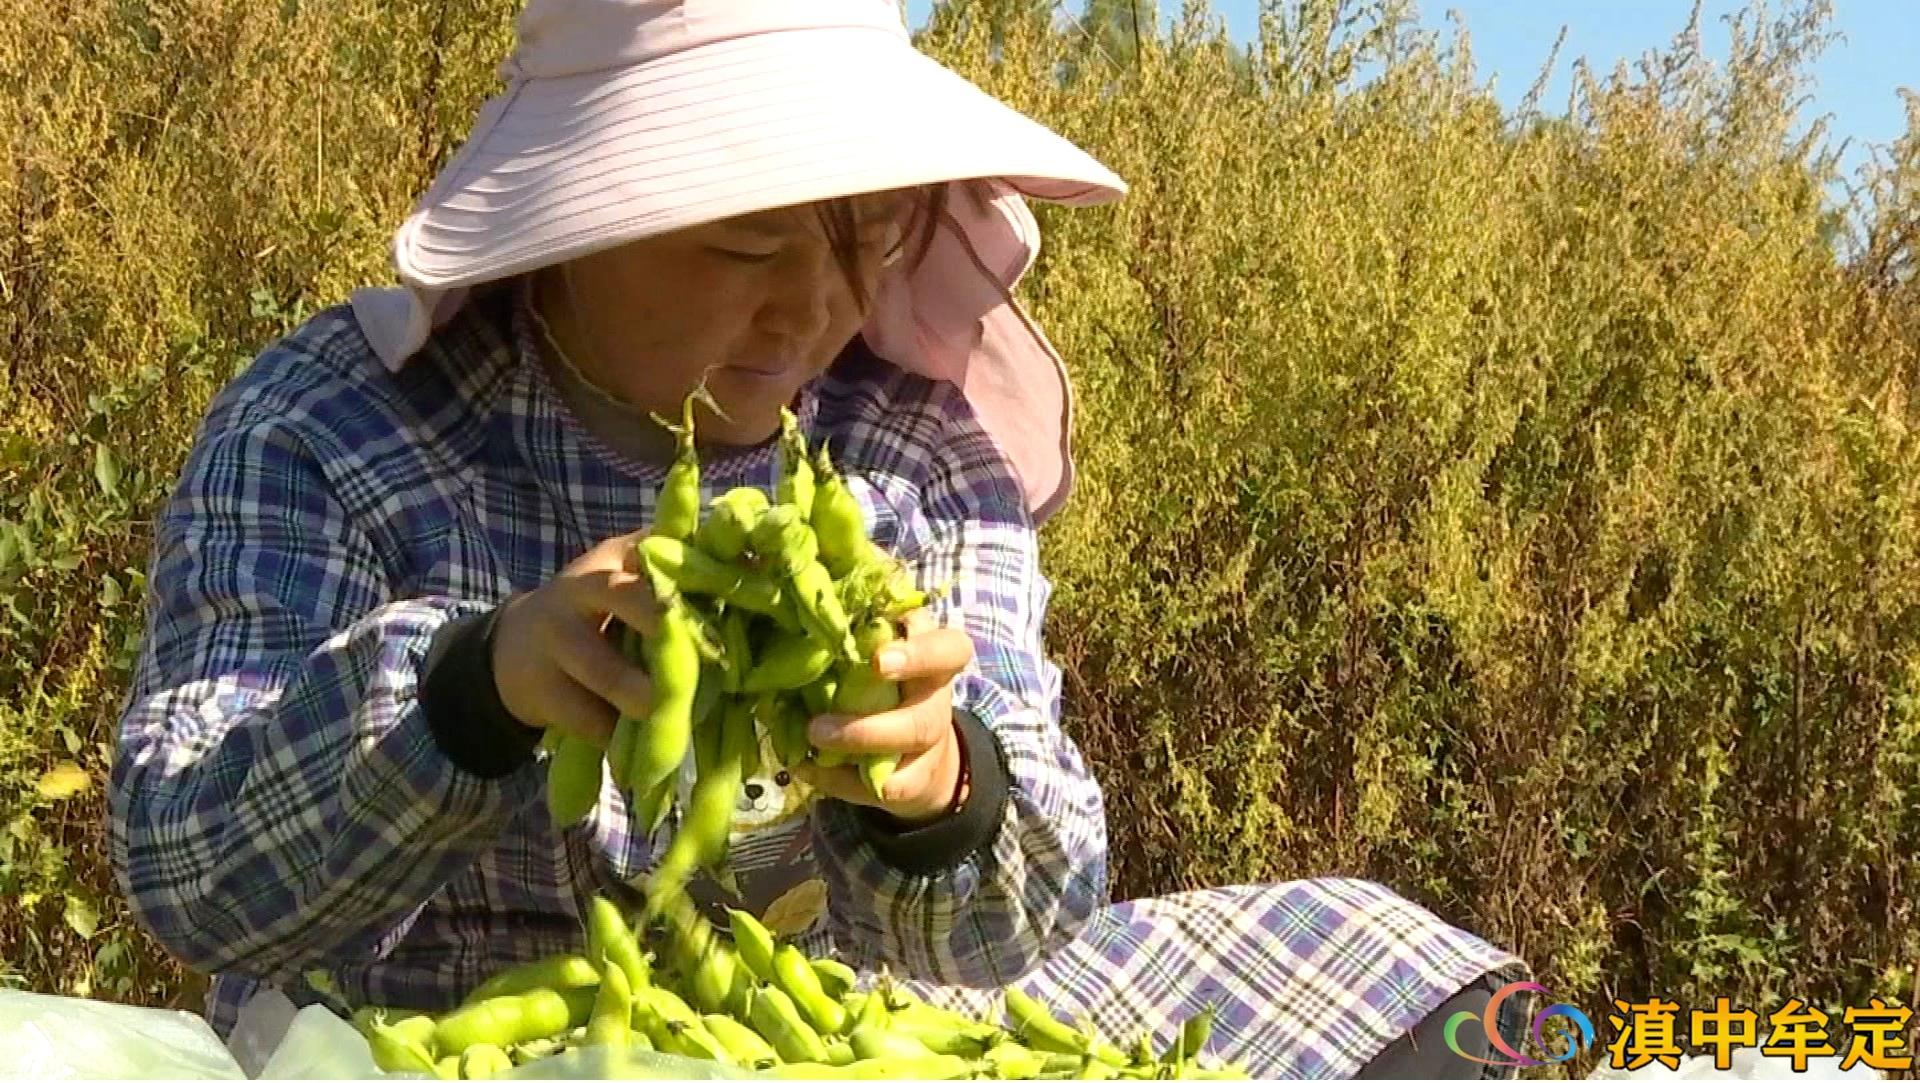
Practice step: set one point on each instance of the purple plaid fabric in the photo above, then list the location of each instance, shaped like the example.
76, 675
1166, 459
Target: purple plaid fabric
281, 815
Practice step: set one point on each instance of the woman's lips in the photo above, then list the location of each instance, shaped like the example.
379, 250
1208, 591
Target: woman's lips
775, 373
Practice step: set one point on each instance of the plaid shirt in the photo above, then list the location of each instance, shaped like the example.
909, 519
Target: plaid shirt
278, 804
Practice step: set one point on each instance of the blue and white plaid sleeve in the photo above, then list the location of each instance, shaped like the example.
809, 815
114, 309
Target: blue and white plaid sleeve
278, 801
1024, 895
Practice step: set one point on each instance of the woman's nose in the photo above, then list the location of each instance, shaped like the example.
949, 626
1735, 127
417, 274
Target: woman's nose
800, 300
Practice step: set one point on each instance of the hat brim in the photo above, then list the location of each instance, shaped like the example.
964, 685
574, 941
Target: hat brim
560, 167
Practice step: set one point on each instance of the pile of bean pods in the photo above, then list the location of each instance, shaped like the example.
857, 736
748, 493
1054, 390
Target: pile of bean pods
770, 610
755, 1005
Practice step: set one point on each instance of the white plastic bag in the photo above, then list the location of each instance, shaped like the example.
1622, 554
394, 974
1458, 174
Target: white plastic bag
318, 1044
50, 1037
259, 1029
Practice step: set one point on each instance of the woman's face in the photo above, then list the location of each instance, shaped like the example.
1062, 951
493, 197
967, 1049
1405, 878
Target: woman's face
756, 305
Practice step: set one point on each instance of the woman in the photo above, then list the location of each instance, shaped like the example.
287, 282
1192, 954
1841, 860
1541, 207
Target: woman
398, 543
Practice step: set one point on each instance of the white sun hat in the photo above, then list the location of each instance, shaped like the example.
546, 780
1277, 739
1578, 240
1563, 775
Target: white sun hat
624, 119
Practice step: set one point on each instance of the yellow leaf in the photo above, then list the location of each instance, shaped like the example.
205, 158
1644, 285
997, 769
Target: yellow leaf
796, 911
63, 781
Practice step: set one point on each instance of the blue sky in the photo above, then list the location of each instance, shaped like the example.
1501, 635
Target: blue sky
1856, 79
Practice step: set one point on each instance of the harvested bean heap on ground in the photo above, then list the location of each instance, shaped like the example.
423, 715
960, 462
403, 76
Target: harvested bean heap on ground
757, 1004
770, 613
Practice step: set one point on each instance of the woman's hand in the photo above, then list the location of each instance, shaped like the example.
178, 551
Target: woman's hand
552, 660
920, 730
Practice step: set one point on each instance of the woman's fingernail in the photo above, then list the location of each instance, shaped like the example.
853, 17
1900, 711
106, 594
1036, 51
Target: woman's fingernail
892, 659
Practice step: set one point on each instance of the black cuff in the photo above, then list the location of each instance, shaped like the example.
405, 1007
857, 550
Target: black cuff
949, 841
462, 703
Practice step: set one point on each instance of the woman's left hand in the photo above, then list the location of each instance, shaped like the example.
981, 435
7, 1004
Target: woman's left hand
920, 730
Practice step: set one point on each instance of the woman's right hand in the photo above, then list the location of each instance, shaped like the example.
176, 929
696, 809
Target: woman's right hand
552, 660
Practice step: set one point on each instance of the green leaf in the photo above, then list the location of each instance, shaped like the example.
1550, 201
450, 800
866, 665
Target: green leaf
70, 739
110, 593
82, 918
106, 470
64, 780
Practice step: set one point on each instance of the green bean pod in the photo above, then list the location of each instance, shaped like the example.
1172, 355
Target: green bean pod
796, 485
655, 1009
789, 662
740, 718
673, 664
694, 572
747, 1048
839, 1051
702, 838
817, 602
676, 511
783, 541
729, 523
508, 1020
650, 807
819, 696
610, 941
399, 1051
619, 757
686, 932
611, 1023
707, 639
862, 691
404, 1024
1031, 1021
1143, 1049
528, 1052
716, 982
737, 644
573, 781
795, 976
836, 518
880, 1043
933, 1066
837, 978
1192, 1039
753, 942
969, 1040
786, 727
773, 1013
1011, 1060
867, 1010
484, 1061
695, 1041
859, 590
560, 971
